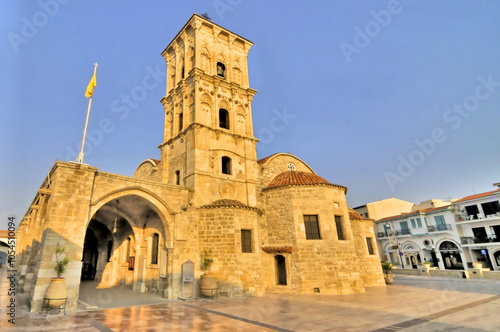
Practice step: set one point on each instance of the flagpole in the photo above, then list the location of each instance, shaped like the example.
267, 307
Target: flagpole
80, 155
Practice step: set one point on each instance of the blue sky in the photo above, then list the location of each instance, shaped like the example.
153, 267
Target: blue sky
389, 98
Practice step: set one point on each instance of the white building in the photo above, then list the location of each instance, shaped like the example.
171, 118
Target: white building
428, 235
478, 221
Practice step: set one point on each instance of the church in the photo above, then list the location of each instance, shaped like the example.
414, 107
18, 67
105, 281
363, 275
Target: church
271, 225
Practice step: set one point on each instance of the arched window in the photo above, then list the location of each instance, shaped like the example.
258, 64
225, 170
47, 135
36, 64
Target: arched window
226, 165
154, 248
177, 177
223, 118
221, 69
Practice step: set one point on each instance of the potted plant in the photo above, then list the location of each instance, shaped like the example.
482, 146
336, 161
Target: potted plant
57, 293
387, 267
208, 282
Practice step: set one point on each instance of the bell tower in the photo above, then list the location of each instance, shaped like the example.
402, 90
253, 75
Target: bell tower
208, 135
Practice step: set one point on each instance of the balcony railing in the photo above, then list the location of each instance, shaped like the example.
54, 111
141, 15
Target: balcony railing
473, 240
469, 217
396, 233
440, 227
405, 231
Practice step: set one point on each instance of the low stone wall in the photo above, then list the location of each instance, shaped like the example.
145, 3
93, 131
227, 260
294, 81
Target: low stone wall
412, 272
447, 273
471, 273
491, 274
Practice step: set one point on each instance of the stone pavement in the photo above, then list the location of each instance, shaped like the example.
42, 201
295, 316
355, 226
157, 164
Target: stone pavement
411, 304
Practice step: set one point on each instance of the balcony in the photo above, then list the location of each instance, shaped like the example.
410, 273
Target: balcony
402, 232
475, 240
464, 218
439, 228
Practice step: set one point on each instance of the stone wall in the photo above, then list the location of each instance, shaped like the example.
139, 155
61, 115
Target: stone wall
149, 170
60, 216
371, 270
327, 265
219, 229
71, 186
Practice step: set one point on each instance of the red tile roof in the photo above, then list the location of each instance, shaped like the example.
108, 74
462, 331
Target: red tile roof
226, 203
468, 198
417, 212
263, 160
353, 215
294, 178
4, 233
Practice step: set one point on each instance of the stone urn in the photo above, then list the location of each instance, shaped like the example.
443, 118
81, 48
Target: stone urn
57, 293
208, 284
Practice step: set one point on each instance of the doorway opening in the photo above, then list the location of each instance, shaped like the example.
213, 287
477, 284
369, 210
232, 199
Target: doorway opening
280, 270
451, 257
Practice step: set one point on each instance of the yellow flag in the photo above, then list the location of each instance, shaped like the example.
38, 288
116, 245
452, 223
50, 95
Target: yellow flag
90, 87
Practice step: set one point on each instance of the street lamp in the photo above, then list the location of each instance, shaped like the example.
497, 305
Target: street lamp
393, 240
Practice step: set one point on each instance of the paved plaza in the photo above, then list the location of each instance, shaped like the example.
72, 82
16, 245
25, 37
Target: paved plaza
411, 304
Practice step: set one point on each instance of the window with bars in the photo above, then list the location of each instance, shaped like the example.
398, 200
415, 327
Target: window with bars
369, 245
246, 240
154, 248
312, 227
340, 228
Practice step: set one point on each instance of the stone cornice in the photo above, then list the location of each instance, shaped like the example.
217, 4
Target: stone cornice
195, 125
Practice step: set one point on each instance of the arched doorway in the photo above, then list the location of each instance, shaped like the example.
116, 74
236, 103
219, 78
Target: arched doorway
280, 270
450, 255
90, 255
125, 241
412, 255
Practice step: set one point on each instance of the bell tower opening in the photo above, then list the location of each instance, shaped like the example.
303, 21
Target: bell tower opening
223, 118
221, 69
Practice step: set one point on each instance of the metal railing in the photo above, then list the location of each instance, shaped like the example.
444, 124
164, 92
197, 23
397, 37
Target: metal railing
473, 240
440, 227
396, 233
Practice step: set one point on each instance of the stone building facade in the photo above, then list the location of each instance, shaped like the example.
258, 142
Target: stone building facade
272, 224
